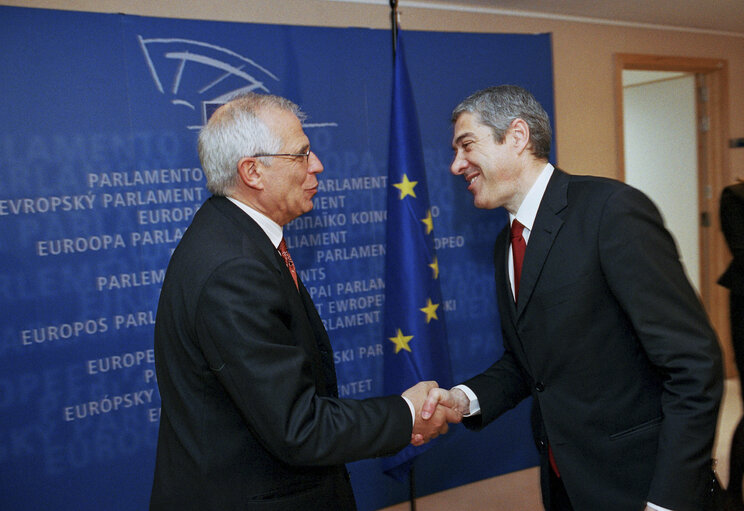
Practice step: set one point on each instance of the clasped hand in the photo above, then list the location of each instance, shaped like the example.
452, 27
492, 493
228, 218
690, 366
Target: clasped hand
435, 409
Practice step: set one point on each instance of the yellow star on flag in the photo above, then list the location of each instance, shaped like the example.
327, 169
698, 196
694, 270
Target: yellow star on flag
430, 310
435, 268
401, 341
406, 187
428, 222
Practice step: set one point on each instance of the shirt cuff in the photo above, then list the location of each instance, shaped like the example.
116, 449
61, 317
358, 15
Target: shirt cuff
658, 508
413, 410
474, 405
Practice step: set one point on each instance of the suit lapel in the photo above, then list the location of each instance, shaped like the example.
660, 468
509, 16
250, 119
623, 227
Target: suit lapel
323, 343
504, 294
547, 225
505, 297
509, 292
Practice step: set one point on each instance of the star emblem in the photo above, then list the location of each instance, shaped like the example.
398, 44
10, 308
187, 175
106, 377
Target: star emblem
435, 268
428, 222
401, 341
430, 310
406, 187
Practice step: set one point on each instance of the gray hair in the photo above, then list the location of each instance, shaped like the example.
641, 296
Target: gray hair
498, 106
235, 131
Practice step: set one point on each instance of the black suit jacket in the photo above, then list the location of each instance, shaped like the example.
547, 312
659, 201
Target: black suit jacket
732, 224
250, 415
612, 343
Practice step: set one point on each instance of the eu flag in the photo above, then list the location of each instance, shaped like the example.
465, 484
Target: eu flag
415, 332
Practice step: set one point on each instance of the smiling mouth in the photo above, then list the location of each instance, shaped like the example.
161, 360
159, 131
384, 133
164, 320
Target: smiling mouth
471, 179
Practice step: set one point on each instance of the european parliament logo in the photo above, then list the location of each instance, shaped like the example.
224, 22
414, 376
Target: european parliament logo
201, 76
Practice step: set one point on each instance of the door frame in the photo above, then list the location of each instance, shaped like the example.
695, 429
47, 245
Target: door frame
714, 172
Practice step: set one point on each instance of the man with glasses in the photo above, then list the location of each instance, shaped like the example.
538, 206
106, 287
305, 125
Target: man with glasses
250, 415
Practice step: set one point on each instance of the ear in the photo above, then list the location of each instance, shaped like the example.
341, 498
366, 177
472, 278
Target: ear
250, 173
520, 132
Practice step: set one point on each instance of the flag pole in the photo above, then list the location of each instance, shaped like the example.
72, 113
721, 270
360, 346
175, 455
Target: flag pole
394, 27
412, 488
394, 22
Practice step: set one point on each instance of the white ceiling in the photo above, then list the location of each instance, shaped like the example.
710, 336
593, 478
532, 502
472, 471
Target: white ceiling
720, 16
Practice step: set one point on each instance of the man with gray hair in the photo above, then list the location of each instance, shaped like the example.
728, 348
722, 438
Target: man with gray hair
250, 415
600, 324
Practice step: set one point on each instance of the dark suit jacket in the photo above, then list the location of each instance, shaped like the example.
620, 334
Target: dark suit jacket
613, 345
250, 416
732, 224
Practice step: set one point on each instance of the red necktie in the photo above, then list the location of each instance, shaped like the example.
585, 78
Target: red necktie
288, 261
518, 248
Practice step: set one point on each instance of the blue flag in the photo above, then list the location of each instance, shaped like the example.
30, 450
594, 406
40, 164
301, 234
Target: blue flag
415, 332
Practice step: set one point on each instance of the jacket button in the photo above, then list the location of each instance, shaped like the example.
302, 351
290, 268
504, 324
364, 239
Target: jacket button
539, 386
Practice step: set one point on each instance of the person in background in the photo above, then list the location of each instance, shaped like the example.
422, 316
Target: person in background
732, 224
600, 324
251, 417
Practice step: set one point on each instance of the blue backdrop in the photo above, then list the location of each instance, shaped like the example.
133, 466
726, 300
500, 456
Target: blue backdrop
99, 178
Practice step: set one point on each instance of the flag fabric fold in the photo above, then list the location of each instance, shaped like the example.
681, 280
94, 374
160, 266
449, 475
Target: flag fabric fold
415, 335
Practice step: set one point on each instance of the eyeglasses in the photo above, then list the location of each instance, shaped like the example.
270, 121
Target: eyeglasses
292, 155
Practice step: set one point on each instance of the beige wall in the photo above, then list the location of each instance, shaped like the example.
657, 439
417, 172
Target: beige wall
584, 108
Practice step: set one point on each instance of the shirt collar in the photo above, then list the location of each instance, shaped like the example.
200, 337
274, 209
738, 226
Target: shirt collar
272, 229
528, 209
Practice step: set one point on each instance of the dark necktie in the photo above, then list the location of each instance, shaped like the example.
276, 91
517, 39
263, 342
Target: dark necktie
518, 248
519, 245
288, 260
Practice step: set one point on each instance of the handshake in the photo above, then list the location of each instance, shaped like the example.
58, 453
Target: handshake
435, 409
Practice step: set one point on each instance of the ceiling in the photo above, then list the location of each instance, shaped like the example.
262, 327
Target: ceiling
720, 16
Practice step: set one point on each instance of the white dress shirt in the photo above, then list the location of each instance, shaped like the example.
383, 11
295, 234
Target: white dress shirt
272, 229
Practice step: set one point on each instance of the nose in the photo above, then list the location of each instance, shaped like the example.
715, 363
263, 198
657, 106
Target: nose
458, 165
314, 166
